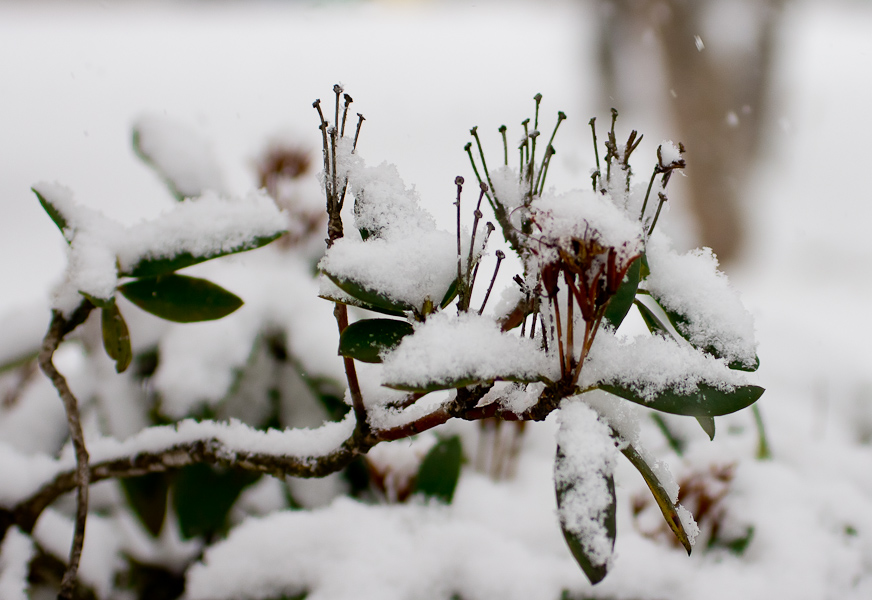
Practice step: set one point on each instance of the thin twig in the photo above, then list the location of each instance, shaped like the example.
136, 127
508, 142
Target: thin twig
59, 328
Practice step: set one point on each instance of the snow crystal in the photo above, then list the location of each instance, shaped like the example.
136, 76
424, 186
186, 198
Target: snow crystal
178, 153
369, 552
384, 206
582, 213
407, 271
203, 227
689, 524
623, 417
713, 317
15, 555
669, 153
449, 347
587, 455
651, 364
507, 187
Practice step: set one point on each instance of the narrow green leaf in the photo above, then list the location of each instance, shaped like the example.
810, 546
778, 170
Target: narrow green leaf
594, 571
706, 401
680, 323
181, 298
646, 270
669, 510
53, 212
450, 295
152, 267
708, 425
435, 386
654, 324
458, 382
116, 337
622, 301
203, 496
440, 470
369, 297
147, 496
366, 340
99, 302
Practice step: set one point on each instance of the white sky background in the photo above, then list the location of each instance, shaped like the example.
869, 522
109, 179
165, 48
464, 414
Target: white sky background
75, 77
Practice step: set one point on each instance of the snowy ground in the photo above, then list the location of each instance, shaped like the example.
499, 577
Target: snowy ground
74, 80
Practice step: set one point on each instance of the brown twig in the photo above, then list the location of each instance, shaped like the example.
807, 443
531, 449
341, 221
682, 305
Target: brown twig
59, 328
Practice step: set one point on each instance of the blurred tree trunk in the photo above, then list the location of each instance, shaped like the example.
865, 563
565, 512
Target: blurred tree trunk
715, 58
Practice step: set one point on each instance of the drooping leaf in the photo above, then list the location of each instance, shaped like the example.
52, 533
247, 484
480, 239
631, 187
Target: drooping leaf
706, 401
661, 496
116, 337
622, 301
440, 470
203, 496
654, 324
680, 324
372, 298
366, 340
708, 425
152, 267
181, 298
594, 569
53, 212
147, 496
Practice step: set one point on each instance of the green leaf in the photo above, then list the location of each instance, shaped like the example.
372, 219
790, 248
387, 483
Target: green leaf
366, 340
646, 270
595, 572
440, 470
669, 510
147, 496
621, 303
706, 401
450, 295
740, 366
53, 212
355, 302
371, 298
181, 298
708, 425
203, 496
99, 302
152, 267
680, 323
458, 382
654, 324
116, 337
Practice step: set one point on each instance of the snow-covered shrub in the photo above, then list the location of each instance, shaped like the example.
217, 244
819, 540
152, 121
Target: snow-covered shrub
198, 414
